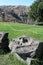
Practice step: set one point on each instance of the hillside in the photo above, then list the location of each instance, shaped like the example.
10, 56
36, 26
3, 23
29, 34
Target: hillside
20, 11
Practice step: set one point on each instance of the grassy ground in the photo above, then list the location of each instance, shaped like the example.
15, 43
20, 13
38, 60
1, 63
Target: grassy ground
10, 59
15, 30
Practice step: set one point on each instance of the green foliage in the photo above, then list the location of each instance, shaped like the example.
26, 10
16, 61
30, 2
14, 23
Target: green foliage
36, 62
33, 11
40, 11
36, 10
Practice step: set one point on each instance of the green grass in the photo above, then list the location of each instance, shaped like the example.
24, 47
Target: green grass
10, 59
15, 30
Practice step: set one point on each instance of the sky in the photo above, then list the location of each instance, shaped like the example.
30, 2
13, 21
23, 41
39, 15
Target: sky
16, 2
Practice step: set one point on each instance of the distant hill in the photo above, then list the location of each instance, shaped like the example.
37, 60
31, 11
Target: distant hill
14, 13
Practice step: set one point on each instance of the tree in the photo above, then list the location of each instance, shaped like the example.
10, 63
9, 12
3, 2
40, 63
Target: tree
36, 10
40, 11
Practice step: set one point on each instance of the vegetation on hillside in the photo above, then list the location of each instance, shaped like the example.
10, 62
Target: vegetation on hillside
36, 10
13, 13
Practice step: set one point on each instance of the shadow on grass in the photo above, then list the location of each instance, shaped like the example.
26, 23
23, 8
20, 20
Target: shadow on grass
4, 51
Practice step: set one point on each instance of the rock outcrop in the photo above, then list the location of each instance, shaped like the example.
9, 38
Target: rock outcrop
26, 47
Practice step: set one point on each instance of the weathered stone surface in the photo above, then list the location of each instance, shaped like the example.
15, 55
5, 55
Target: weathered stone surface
4, 41
26, 47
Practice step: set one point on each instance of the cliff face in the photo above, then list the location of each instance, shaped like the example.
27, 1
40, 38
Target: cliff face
13, 13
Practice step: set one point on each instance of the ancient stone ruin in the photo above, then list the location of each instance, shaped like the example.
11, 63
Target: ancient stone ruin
4, 41
27, 48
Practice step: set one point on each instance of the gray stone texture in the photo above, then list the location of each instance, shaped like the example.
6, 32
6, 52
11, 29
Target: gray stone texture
26, 47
